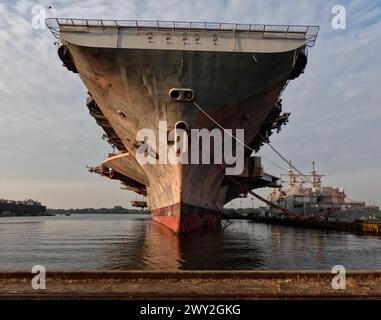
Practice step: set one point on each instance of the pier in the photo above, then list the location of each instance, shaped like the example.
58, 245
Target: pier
299, 284
357, 227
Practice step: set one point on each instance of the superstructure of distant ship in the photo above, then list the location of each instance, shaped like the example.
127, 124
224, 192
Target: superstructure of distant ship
21, 208
141, 72
306, 197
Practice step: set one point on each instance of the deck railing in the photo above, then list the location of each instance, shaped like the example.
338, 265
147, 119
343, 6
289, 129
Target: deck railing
308, 33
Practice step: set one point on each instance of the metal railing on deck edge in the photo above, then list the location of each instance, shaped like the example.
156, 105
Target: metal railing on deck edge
277, 31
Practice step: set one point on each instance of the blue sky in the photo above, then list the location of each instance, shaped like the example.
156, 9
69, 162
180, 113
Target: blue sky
47, 137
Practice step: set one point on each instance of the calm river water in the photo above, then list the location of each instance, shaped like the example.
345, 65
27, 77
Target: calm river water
134, 242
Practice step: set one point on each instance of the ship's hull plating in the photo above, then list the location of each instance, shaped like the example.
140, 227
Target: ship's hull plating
184, 218
237, 89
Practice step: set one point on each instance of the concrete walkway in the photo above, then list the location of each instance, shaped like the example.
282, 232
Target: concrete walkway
191, 285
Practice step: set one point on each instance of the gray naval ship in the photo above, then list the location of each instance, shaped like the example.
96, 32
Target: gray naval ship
316, 201
141, 72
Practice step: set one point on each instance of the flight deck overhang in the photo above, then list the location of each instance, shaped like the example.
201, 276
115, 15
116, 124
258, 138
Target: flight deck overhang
186, 36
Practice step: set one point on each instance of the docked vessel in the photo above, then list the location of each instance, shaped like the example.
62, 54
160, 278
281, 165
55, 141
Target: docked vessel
193, 76
310, 199
21, 208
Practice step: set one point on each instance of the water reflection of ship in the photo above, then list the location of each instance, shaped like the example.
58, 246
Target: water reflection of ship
317, 200
153, 247
161, 249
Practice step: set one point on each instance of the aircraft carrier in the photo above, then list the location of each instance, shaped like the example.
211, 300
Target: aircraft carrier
193, 75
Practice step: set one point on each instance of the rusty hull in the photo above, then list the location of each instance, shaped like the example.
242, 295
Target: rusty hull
131, 89
129, 86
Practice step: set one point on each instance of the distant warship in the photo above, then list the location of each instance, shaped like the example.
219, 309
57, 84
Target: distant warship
316, 200
21, 208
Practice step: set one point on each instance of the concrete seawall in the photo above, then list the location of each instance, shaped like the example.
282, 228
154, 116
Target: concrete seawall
300, 284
